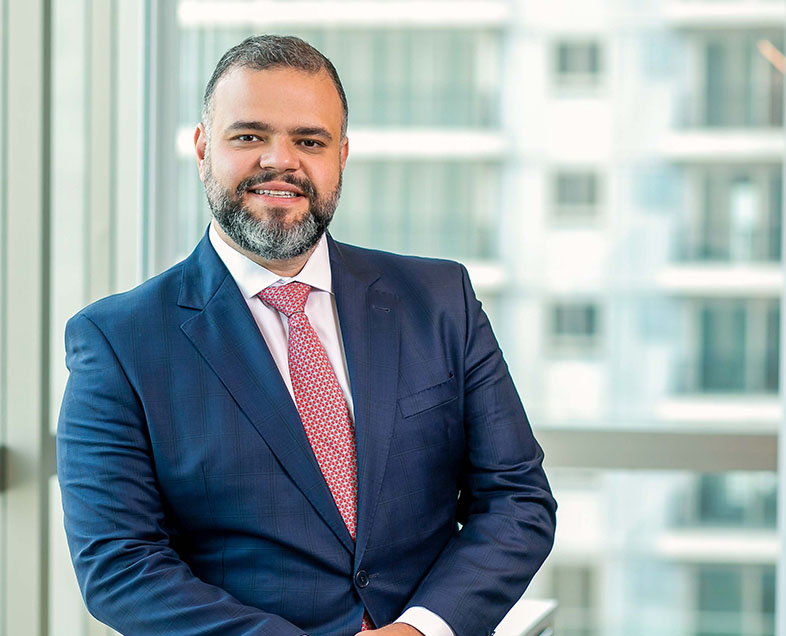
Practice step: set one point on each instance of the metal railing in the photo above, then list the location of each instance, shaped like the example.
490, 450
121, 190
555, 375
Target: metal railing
731, 106
718, 373
762, 245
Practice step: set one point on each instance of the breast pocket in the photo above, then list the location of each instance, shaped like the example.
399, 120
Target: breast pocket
429, 398
427, 441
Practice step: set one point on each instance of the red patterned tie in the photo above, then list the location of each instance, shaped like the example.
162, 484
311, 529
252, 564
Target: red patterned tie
319, 400
320, 403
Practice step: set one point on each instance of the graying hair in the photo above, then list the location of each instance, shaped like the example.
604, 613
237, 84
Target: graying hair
262, 52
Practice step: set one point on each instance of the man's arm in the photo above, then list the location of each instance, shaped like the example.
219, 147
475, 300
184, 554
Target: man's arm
130, 577
506, 504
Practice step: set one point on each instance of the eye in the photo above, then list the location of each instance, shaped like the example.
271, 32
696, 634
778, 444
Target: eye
247, 138
311, 143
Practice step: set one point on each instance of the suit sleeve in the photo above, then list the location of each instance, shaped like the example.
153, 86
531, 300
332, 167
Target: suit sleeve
130, 577
506, 506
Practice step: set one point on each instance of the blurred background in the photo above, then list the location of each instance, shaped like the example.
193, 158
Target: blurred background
611, 173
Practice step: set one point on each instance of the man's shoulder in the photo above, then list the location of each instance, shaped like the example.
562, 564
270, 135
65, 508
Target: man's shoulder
146, 299
405, 266
424, 282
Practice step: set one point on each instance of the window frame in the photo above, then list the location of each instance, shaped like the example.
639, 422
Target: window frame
580, 79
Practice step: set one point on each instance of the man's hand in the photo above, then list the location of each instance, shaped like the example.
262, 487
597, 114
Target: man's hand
394, 629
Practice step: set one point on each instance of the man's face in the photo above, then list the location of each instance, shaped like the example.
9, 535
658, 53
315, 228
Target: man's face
273, 159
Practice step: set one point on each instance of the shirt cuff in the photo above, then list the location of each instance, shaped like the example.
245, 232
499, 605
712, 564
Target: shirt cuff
425, 621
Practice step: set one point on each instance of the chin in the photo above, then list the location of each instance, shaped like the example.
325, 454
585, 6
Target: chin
267, 211
287, 218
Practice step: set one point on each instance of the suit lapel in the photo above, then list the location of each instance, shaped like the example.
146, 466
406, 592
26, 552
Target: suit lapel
370, 331
225, 334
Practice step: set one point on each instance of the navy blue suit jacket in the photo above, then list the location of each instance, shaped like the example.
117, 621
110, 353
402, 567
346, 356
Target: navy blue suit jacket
194, 504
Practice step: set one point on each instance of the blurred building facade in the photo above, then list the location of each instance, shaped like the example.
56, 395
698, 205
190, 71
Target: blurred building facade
611, 174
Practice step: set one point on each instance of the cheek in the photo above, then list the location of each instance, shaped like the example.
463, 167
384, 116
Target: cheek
326, 176
233, 168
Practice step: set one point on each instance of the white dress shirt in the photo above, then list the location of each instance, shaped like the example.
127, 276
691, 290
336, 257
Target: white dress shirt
251, 278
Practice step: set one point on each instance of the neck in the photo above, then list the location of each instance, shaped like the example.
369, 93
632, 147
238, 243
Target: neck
286, 267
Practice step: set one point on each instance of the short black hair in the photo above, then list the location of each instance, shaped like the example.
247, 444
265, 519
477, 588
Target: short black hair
260, 52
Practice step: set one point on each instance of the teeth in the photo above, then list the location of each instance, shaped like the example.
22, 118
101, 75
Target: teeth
276, 193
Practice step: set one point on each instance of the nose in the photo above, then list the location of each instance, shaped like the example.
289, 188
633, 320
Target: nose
279, 156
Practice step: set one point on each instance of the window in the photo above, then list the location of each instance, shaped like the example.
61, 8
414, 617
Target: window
574, 326
128, 203
734, 599
742, 88
732, 347
394, 78
576, 194
732, 500
578, 63
436, 208
737, 215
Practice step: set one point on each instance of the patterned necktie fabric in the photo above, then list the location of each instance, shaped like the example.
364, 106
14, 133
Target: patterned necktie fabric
321, 404
319, 400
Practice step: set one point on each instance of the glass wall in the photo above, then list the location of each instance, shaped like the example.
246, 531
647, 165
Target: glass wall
572, 214
396, 79
611, 176
664, 553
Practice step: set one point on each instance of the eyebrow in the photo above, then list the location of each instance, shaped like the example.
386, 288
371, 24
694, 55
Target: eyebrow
310, 131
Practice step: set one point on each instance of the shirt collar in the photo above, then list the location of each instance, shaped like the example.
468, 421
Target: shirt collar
252, 278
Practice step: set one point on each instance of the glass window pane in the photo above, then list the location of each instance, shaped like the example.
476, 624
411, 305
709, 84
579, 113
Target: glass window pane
628, 559
604, 323
578, 63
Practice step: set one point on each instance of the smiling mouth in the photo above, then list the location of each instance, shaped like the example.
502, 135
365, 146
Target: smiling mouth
284, 194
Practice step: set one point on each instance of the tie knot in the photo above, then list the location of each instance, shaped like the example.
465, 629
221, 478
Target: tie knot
288, 299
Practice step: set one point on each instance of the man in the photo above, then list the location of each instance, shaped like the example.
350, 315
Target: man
284, 434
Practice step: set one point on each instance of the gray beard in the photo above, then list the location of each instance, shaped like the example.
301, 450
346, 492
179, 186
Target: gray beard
270, 238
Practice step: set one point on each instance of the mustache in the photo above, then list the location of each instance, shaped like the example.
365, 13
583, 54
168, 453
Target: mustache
304, 185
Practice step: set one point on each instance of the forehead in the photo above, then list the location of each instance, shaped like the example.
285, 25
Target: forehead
277, 96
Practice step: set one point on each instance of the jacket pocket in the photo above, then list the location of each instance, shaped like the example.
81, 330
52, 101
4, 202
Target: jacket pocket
429, 398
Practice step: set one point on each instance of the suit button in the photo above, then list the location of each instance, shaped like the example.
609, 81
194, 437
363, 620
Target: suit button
361, 579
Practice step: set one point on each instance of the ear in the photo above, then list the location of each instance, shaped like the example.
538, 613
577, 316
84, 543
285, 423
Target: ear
200, 144
344, 152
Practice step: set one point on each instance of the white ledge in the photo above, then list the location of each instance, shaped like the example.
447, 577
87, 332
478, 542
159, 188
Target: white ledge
723, 145
345, 13
722, 279
710, 545
742, 14
486, 276
753, 414
426, 143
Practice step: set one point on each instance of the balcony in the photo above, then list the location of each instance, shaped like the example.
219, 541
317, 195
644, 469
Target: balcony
733, 246
729, 122
735, 255
732, 105
729, 373
727, 502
